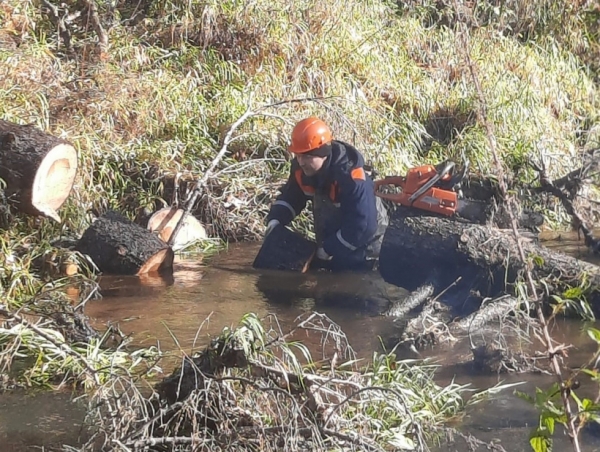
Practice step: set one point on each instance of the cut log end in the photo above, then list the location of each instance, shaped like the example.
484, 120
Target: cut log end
38, 169
54, 180
164, 222
160, 261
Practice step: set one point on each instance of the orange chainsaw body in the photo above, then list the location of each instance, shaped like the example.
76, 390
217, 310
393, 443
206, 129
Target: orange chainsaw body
433, 199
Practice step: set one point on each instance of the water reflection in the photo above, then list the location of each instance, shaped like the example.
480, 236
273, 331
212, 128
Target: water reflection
365, 292
48, 420
155, 308
570, 243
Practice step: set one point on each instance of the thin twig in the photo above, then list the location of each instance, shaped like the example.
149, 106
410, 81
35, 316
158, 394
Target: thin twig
552, 350
96, 24
63, 32
61, 345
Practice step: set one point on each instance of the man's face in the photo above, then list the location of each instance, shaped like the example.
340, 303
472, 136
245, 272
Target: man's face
310, 164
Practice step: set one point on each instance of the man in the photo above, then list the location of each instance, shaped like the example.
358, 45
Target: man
349, 219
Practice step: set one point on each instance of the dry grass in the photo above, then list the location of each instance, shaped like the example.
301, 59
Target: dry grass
255, 388
178, 74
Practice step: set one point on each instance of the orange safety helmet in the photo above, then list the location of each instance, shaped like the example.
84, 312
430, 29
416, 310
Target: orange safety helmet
309, 134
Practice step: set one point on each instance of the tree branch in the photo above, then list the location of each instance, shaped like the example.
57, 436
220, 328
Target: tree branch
94, 18
63, 32
572, 179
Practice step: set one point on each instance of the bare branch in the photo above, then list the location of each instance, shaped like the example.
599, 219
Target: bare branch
94, 18
549, 186
63, 32
552, 349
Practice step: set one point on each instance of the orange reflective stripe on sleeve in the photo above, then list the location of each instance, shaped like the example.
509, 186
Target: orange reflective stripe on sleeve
358, 173
307, 189
333, 192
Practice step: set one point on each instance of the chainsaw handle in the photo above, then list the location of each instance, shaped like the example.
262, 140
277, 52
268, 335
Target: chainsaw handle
441, 173
397, 181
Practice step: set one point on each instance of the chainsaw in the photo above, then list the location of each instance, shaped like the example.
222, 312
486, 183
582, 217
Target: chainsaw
434, 188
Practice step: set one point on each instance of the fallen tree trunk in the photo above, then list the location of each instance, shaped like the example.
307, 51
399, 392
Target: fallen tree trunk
38, 169
284, 249
483, 258
119, 246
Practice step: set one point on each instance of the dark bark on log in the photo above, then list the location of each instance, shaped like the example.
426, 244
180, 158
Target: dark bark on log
416, 245
119, 246
284, 249
38, 169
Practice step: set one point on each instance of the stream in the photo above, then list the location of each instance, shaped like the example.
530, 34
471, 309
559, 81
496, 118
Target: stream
182, 311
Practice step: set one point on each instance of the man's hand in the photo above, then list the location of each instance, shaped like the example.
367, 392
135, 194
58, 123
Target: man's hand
270, 226
321, 254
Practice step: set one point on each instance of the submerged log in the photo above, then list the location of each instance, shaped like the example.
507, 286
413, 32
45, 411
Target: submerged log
38, 169
484, 258
493, 359
284, 249
415, 299
118, 246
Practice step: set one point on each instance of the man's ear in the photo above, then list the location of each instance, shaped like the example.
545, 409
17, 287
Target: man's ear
370, 171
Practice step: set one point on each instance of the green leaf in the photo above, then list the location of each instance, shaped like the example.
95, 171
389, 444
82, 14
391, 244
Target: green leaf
573, 293
540, 443
548, 422
594, 334
538, 260
524, 396
593, 373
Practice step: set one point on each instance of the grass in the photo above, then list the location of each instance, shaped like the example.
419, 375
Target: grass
173, 82
43, 357
387, 76
256, 384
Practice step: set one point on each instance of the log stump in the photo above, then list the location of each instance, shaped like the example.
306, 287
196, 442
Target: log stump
284, 249
118, 246
164, 222
38, 169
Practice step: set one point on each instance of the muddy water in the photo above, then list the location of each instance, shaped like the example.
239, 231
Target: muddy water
197, 300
